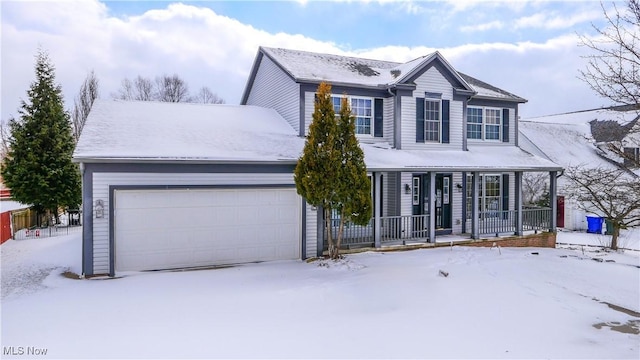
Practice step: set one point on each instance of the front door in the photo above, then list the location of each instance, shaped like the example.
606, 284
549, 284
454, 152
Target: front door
443, 204
442, 199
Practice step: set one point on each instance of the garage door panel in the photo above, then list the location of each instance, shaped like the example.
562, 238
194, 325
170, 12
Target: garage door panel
156, 229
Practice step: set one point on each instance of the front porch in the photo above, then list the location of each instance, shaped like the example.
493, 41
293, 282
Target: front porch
415, 229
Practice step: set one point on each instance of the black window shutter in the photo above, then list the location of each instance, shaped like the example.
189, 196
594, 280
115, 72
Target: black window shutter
378, 121
420, 120
445, 121
505, 195
505, 125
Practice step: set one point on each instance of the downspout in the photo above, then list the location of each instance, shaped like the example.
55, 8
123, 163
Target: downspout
396, 136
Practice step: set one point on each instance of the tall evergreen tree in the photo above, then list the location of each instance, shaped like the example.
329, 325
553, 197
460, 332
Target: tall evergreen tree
353, 187
317, 171
331, 172
38, 168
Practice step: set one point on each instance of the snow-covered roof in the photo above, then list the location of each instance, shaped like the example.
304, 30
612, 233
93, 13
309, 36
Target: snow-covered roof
568, 139
123, 131
477, 158
485, 90
585, 117
10, 205
565, 144
182, 131
337, 69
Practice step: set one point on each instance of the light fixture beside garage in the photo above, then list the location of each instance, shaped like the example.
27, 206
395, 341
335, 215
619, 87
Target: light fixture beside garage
99, 208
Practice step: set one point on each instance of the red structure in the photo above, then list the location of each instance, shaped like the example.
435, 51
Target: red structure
5, 226
560, 213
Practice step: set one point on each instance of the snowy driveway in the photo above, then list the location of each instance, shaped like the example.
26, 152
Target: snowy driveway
510, 303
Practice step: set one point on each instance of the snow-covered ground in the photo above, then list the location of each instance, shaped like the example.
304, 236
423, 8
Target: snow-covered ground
494, 303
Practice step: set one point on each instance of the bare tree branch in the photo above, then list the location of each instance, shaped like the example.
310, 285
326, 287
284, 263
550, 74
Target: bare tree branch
612, 70
206, 96
614, 194
5, 139
165, 88
534, 185
140, 89
171, 89
89, 92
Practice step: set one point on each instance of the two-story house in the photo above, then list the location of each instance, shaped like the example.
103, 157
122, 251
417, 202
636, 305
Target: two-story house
174, 185
452, 161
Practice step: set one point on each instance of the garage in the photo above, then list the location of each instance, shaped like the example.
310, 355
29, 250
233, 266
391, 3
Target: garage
178, 228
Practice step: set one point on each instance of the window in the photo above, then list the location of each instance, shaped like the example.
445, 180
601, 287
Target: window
484, 123
361, 108
631, 157
474, 123
432, 120
416, 191
489, 195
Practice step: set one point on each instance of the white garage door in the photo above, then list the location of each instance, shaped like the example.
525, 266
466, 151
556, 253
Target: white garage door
164, 229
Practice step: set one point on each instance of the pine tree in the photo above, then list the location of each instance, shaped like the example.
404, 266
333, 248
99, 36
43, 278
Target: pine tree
38, 169
331, 172
317, 172
353, 187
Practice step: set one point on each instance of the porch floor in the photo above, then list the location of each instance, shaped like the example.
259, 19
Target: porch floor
441, 240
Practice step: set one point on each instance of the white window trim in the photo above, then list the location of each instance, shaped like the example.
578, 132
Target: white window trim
484, 124
482, 189
373, 112
439, 121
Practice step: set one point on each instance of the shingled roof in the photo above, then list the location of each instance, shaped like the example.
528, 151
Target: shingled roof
310, 67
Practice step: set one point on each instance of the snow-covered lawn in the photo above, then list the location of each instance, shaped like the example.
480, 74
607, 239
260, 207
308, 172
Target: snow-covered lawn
495, 303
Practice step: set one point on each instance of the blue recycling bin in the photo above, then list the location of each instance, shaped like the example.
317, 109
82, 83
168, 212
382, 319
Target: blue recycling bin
594, 224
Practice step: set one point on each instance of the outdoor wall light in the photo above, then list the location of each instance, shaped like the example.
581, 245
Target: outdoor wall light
459, 187
99, 209
407, 189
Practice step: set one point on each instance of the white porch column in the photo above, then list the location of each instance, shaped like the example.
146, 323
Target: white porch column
377, 203
553, 199
475, 204
518, 201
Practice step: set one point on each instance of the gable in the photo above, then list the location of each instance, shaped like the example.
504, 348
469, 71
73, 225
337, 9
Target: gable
437, 62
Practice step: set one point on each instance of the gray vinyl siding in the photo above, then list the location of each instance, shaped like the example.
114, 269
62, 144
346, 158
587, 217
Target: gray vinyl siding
309, 104
406, 208
309, 101
273, 88
389, 194
434, 82
102, 181
312, 231
388, 120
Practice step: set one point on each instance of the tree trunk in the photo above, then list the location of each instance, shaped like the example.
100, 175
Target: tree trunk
329, 230
336, 254
614, 236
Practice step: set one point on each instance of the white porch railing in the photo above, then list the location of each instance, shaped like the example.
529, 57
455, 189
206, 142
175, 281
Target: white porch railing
413, 228
501, 222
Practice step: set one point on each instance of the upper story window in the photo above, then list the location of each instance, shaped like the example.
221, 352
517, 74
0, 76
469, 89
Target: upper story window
484, 123
631, 157
362, 109
432, 120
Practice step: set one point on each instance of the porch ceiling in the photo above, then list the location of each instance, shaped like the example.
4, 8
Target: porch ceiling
477, 158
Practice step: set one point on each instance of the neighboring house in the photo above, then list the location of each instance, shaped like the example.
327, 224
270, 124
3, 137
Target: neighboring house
618, 137
177, 185
580, 139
